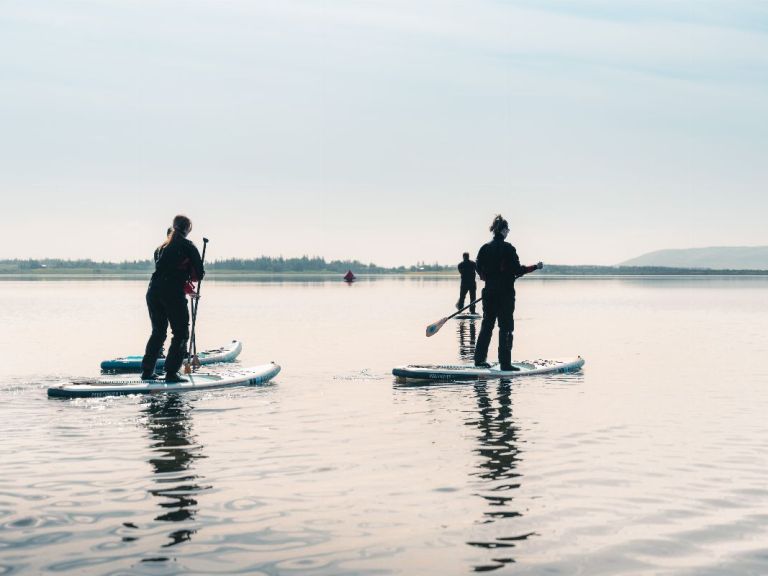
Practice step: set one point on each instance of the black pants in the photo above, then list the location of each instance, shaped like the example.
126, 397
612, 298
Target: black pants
164, 308
497, 305
472, 289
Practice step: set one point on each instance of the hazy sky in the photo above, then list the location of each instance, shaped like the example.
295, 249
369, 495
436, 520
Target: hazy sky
386, 131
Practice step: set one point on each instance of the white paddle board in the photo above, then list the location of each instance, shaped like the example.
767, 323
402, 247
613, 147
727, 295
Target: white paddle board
122, 385
470, 372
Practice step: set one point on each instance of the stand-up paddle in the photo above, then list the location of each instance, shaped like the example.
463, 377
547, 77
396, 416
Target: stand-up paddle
192, 359
432, 329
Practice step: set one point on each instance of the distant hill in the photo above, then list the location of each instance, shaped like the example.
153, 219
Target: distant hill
716, 258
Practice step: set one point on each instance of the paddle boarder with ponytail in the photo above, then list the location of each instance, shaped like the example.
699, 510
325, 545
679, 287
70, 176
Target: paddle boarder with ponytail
499, 266
177, 263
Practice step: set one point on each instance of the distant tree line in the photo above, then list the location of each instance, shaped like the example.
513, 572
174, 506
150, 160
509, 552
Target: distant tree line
303, 264
66, 265
315, 264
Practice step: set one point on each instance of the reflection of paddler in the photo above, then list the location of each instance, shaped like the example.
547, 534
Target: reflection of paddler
349, 277
498, 440
173, 455
467, 338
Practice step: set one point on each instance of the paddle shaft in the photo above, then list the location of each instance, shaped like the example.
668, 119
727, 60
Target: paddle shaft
434, 328
470, 305
194, 306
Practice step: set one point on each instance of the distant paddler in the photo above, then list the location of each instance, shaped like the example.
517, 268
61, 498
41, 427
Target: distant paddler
467, 269
349, 277
177, 263
499, 266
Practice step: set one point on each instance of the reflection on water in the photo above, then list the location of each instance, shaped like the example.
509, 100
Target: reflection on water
467, 337
622, 471
174, 452
497, 445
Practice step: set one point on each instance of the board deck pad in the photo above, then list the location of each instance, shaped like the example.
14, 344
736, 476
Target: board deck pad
123, 385
446, 372
227, 353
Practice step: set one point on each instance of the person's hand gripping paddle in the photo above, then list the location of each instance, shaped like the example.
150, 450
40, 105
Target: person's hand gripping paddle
432, 329
192, 360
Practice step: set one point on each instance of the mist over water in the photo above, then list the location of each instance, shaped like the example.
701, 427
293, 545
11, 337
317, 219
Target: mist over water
651, 460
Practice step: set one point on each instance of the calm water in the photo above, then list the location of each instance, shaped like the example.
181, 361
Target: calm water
653, 460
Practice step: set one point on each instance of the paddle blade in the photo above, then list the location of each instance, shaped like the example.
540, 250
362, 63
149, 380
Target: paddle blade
433, 328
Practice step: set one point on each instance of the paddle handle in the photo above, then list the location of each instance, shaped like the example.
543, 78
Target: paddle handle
202, 259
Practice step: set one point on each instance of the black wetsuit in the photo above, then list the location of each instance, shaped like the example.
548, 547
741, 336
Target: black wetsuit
175, 264
499, 266
467, 270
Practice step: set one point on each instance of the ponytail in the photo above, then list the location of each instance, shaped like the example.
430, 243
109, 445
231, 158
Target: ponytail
168, 239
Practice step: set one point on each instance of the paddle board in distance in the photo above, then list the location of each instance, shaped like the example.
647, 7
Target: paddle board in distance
449, 372
468, 316
125, 385
226, 353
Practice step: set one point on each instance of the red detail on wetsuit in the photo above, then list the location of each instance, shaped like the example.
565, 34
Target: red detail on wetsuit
189, 285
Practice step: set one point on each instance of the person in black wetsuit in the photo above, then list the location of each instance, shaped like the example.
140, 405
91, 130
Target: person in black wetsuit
467, 270
499, 267
177, 261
